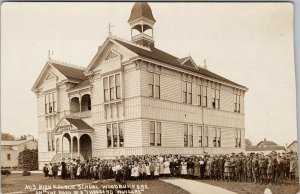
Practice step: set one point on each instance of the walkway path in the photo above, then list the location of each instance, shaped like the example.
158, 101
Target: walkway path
196, 187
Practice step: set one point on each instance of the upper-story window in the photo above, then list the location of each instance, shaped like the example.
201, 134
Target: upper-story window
153, 85
112, 87
187, 92
237, 103
206, 136
215, 98
199, 95
204, 95
50, 102
8, 156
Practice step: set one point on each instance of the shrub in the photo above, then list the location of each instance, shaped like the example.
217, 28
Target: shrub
28, 160
26, 173
5, 172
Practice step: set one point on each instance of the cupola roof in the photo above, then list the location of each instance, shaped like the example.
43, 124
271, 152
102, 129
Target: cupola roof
141, 10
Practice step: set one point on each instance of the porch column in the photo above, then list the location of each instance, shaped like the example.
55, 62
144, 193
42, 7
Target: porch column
71, 147
78, 146
62, 149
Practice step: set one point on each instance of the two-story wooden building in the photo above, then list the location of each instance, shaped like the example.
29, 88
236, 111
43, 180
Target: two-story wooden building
136, 99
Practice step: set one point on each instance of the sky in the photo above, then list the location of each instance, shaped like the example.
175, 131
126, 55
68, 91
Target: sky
248, 43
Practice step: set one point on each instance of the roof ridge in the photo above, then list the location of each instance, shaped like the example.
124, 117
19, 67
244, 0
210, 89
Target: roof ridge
129, 42
67, 64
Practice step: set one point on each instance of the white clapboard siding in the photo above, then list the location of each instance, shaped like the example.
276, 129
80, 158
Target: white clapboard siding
97, 92
133, 108
131, 83
170, 88
144, 82
172, 134
100, 138
242, 104
145, 132
226, 99
41, 105
43, 141
133, 133
228, 137
41, 123
195, 136
171, 111
63, 100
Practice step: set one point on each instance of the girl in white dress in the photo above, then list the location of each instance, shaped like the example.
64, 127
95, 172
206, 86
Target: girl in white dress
78, 171
156, 169
50, 174
167, 171
148, 171
184, 168
59, 170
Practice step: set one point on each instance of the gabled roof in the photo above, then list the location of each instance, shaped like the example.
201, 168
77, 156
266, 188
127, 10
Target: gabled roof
161, 56
267, 143
292, 143
188, 61
79, 123
16, 142
82, 84
254, 148
68, 70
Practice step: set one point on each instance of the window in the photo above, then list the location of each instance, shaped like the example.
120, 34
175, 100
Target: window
155, 133
112, 87
158, 133
190, 136
204, 95
118, 86
215, 98
153, 85
108, 128
105, 87
237, 103
218, 137
215, 138
187, 92
157, 85
121, 135
200, 135
206, 136
152, 133
50, 102
25, 147
8, 156
49, 137
199, 92
184, 91
185, 135
189, 95
115, 134
150, 84
238, 139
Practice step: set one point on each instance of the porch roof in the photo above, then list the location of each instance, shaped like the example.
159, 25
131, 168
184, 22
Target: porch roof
79, 123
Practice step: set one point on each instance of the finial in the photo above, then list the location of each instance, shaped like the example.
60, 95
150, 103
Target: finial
49, 54
109, 28
205, 66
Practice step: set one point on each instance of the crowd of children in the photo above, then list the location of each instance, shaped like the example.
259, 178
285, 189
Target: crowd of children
257, 168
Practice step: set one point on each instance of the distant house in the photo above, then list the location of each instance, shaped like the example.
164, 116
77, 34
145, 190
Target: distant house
266, 147
10, 151
293, 147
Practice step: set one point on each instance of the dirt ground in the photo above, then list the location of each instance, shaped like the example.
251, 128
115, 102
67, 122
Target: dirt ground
286, 187
17, 183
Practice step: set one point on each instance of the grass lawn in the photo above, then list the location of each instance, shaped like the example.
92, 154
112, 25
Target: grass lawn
251, 188
17, 183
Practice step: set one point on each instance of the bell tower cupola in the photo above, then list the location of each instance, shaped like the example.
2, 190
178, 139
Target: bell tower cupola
141, 22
